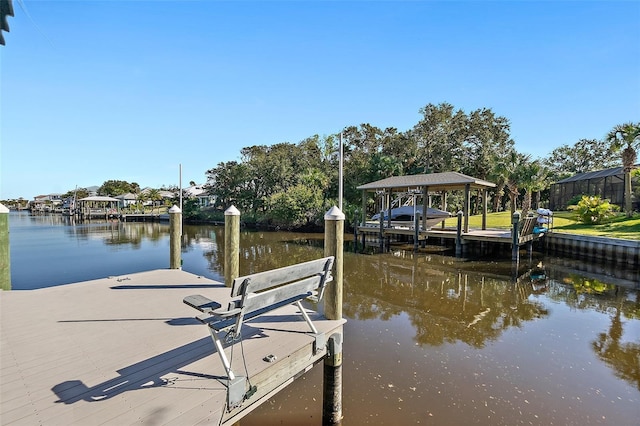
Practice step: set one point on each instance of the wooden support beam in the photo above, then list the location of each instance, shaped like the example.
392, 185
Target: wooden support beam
484, 209
467, 206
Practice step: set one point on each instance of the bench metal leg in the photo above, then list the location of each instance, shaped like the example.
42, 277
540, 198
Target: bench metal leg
237, 385
223, 356
320, 339
306, 317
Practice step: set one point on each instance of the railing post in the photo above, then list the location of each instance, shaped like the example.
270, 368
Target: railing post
175, 229
231, 245
515, 240
334, 246
5, 263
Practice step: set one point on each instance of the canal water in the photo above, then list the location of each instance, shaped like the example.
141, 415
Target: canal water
428, 340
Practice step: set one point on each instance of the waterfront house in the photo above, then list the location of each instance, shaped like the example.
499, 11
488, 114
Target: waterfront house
46, 203
200, 193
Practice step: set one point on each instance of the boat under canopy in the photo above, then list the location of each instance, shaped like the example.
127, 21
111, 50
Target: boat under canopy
407, 213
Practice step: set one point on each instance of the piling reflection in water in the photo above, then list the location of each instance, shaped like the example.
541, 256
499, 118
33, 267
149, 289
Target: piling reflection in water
429, 339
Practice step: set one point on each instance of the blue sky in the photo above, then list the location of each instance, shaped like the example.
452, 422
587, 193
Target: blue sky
129, 90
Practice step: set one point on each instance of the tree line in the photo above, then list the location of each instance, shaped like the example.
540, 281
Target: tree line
293, 185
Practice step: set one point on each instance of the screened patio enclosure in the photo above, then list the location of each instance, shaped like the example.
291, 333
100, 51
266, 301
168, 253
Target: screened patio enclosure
608, 184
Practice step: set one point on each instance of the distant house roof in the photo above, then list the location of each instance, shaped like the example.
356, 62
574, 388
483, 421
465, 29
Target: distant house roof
127, 196
436, 181
166, 194
162, 192
48, 197
98, 198
195, 191
595, 175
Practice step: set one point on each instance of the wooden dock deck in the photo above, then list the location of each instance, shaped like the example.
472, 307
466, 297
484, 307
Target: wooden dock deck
125, 349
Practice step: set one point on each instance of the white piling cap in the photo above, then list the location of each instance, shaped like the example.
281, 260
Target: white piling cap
334, 213
175, 209
232, 211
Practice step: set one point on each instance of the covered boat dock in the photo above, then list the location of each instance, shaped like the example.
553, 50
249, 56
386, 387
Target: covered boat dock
417, 190
419, 187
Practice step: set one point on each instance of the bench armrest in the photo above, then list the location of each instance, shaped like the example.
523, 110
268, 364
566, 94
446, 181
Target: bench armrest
201, 303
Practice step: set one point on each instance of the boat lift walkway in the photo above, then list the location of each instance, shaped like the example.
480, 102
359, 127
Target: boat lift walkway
125, 349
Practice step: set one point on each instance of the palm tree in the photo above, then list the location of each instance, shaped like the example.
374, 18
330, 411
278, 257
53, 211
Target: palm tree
626, 137
153, 195
141, 197
499, 175
509, 168
532, 177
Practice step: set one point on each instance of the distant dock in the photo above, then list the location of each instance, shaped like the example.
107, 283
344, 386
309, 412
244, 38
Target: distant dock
125, 349
144, 217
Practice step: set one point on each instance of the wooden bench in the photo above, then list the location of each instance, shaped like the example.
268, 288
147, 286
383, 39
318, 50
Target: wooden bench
254, 295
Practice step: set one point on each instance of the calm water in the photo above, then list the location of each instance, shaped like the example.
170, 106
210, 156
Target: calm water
429, 340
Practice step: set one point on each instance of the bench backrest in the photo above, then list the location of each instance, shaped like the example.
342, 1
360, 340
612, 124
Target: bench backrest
278, 287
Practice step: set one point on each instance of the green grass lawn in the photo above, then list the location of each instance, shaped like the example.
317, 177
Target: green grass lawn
618, 227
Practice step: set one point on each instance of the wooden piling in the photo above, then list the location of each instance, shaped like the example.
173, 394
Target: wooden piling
231, 245
381, 233
416, 230
5, 263
459, 235
175, 229
515, 248
332, 385
334, 246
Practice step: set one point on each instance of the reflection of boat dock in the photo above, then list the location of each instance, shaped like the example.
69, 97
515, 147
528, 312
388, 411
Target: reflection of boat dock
126, 350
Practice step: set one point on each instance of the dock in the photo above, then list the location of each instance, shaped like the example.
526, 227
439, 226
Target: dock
125, 349
376, 235
144, 217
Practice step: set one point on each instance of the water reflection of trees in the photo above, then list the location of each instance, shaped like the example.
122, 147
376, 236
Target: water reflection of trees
621, 304
117, 233
622, 357
259, 251
448, 301
444, 302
